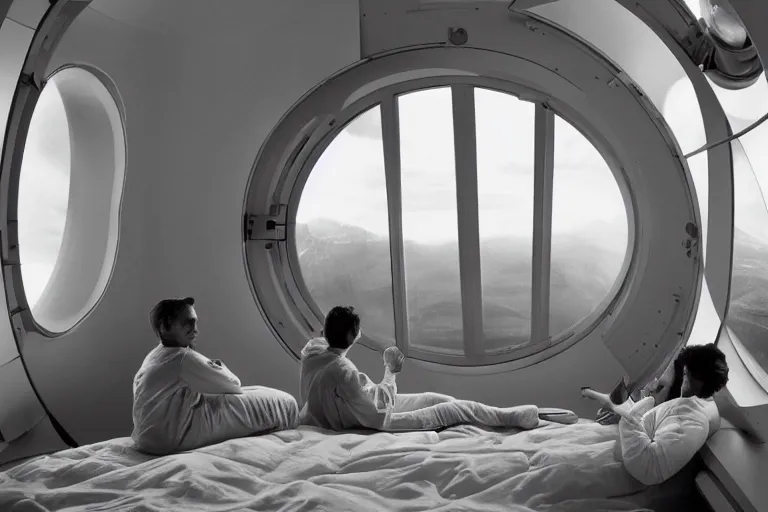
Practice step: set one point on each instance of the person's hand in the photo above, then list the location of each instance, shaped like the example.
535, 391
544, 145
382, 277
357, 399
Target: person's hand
393, 359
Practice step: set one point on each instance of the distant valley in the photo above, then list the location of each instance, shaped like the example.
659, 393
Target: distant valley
347, 265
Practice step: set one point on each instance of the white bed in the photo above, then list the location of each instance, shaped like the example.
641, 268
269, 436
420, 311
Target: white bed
553, 468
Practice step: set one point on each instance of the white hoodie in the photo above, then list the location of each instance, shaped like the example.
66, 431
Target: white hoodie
337, 396
182, 400
657, 442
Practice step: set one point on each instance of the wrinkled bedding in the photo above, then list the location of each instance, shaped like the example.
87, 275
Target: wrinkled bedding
555, 468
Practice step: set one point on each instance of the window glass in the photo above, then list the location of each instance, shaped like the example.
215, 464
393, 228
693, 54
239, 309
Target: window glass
747, 317
43, 192
430, 226
342, 228
748, 311
505, 172
343, 237
589, 230
744, 107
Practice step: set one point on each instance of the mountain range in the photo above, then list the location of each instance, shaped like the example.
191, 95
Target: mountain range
348, 265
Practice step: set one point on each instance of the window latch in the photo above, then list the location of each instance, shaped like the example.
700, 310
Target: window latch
266, 227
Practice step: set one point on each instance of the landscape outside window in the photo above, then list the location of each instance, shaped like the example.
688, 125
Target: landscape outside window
342, 230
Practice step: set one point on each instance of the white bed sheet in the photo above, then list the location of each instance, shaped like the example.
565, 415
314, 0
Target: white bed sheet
555, 468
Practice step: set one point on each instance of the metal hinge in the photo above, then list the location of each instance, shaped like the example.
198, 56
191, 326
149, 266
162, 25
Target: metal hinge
266, 227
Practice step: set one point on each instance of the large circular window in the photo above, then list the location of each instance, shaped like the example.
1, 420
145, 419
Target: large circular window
457, 219
483, 210
70, 191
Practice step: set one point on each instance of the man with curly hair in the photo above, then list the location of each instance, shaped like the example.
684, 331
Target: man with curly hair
662, 432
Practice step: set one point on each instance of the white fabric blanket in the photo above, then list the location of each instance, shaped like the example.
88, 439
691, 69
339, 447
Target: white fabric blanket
554, 468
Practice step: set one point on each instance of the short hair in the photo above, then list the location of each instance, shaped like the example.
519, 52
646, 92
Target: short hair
166, 311
706, 364
339, 323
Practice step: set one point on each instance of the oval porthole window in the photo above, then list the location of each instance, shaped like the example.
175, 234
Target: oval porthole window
70, 191
343, 231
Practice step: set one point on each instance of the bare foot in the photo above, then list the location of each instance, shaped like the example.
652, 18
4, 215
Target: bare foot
602, 398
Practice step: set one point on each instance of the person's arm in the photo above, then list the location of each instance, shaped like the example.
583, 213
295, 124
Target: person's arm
676, 441
369, 403
386, 391
206, 376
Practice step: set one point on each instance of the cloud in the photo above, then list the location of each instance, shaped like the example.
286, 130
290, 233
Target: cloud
348, 183
43, 192
366, 125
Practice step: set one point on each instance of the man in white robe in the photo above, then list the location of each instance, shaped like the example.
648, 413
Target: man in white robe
337, 396
183, 400
657, 441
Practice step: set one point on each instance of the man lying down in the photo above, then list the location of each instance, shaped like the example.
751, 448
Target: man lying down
183, 400
337, 396
657, 441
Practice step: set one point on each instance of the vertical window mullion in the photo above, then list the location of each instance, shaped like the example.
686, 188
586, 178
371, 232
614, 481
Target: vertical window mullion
465, 148
390, 127
544, 153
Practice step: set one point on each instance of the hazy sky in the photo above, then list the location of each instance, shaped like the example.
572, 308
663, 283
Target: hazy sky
348, 182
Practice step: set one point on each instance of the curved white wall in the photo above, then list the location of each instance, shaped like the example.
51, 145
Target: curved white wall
89, 370
198, 106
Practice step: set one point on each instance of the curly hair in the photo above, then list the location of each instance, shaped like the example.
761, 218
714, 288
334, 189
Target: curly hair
166, 311
706, 364
339, 323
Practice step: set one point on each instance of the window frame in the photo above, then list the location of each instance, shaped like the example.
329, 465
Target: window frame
40, 319
587, 89
386, 98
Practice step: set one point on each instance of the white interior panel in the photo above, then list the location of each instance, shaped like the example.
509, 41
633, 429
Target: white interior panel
41, 439
21, 411
28, 12
8, 347
14, 40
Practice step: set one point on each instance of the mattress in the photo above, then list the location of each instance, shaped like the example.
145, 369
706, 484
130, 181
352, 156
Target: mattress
554, 468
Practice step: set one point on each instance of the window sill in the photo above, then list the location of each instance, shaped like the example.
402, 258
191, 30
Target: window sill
738, 465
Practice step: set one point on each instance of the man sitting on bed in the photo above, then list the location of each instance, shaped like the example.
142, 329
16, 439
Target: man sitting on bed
183, 400
657, 441
337, 396
666, 387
